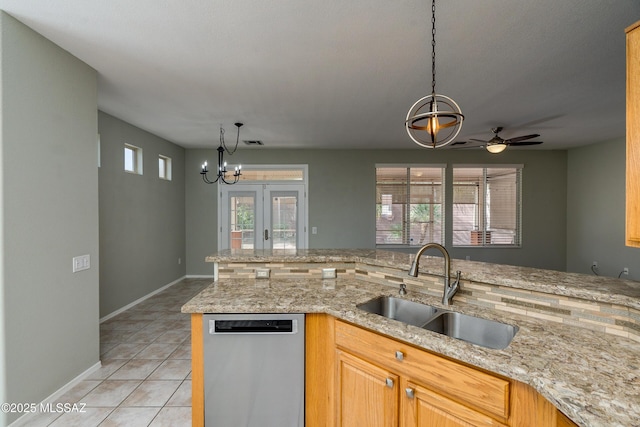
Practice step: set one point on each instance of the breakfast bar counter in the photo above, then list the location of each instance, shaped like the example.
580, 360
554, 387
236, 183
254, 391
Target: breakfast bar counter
578, 342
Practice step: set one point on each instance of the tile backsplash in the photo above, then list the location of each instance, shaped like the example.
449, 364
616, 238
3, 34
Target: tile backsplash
609, 318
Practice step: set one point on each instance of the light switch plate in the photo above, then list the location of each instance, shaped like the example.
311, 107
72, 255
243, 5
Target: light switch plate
82, 262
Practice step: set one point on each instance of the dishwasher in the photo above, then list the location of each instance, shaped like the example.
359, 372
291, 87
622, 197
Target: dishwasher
254, 370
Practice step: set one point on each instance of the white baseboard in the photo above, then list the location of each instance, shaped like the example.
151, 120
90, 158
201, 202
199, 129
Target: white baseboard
139, 300
199, 276
26, 419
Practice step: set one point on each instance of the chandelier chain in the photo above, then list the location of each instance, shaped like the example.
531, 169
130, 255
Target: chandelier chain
225, 145
433, 46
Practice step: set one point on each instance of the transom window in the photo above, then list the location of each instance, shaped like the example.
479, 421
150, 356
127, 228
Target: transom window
409, 204
486, 205
133, 159
164, 167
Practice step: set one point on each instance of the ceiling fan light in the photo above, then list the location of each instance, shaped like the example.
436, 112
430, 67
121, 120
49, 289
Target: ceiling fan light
496, 148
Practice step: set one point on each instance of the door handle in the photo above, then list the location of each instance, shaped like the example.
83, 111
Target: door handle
266, 234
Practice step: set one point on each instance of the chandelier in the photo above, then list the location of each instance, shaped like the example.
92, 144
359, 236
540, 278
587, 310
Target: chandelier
434, 120
222, 165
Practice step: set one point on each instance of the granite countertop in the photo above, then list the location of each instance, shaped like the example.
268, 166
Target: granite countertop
594, 378
589, 287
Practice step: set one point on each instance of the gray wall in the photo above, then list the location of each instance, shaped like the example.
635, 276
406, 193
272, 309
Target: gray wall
50, 214
142, 217
596, 211
342, 200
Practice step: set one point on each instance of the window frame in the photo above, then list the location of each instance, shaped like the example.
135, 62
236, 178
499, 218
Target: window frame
406, 220
136, 160
167, 167
483, 193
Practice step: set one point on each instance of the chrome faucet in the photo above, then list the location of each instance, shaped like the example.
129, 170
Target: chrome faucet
449, 290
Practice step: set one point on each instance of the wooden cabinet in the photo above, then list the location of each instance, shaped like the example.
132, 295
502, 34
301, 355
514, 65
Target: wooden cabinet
367, 395
633, 136
357, 377
418, 388
426, 408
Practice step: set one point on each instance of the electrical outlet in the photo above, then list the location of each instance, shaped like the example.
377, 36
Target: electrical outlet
263, 273
625, 271
594, 264
328, 273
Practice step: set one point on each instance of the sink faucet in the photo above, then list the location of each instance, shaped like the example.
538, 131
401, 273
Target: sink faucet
449, 290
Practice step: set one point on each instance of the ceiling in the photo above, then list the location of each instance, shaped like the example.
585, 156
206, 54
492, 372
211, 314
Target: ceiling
342, 74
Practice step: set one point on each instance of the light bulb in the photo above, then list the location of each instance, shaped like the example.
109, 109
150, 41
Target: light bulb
434, 126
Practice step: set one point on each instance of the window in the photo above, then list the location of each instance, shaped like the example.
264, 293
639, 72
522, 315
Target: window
409, 205
164, 167
486, 205
133, 159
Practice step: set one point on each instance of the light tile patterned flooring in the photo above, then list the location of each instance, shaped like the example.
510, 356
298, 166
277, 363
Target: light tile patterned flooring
145, 378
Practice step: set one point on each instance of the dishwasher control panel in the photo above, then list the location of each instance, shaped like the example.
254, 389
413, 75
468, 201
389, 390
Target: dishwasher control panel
261, 326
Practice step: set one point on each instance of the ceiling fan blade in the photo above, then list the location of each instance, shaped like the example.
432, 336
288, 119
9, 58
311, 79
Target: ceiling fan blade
521, 138
478, 140
460, 142
467, 147
524, 143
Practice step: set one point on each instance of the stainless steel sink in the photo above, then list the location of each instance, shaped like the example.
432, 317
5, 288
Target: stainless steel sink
476, 330
403, 310
483, 332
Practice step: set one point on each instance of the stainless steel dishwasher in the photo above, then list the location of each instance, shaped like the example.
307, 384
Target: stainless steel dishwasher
254, 370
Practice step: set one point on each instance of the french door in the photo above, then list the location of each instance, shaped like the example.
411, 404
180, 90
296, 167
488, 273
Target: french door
262, 216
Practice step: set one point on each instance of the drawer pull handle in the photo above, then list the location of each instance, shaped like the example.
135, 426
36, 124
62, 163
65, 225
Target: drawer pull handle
399, 355
410, 393
389, 382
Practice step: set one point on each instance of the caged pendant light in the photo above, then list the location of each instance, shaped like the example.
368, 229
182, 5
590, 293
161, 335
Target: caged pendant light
434, 120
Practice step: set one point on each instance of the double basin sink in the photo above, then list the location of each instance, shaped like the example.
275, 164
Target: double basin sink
476, 330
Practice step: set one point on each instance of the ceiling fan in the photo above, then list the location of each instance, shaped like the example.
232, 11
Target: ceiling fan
497, 145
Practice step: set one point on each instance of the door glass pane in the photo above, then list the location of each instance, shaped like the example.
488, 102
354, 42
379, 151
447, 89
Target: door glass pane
284, 221
243, 214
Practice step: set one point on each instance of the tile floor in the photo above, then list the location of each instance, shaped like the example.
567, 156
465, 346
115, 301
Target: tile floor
145, 378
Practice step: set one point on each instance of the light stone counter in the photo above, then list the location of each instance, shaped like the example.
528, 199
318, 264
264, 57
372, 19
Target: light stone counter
593, 377
588, 287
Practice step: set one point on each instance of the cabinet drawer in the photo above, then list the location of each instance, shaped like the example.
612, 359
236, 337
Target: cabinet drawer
485, 392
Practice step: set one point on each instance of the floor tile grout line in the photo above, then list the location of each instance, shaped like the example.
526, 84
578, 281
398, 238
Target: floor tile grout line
178, 324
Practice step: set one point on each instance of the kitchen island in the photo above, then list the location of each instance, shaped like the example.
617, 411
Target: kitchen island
578, 341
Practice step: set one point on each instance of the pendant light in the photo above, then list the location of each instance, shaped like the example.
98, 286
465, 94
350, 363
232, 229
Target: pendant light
222, 165
434, 120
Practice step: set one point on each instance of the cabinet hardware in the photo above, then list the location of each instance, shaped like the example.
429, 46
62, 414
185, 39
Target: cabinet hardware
399, 355
410, 393
389, 382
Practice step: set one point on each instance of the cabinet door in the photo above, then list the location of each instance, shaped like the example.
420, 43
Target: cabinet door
367, 394
633, 136
422, 407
